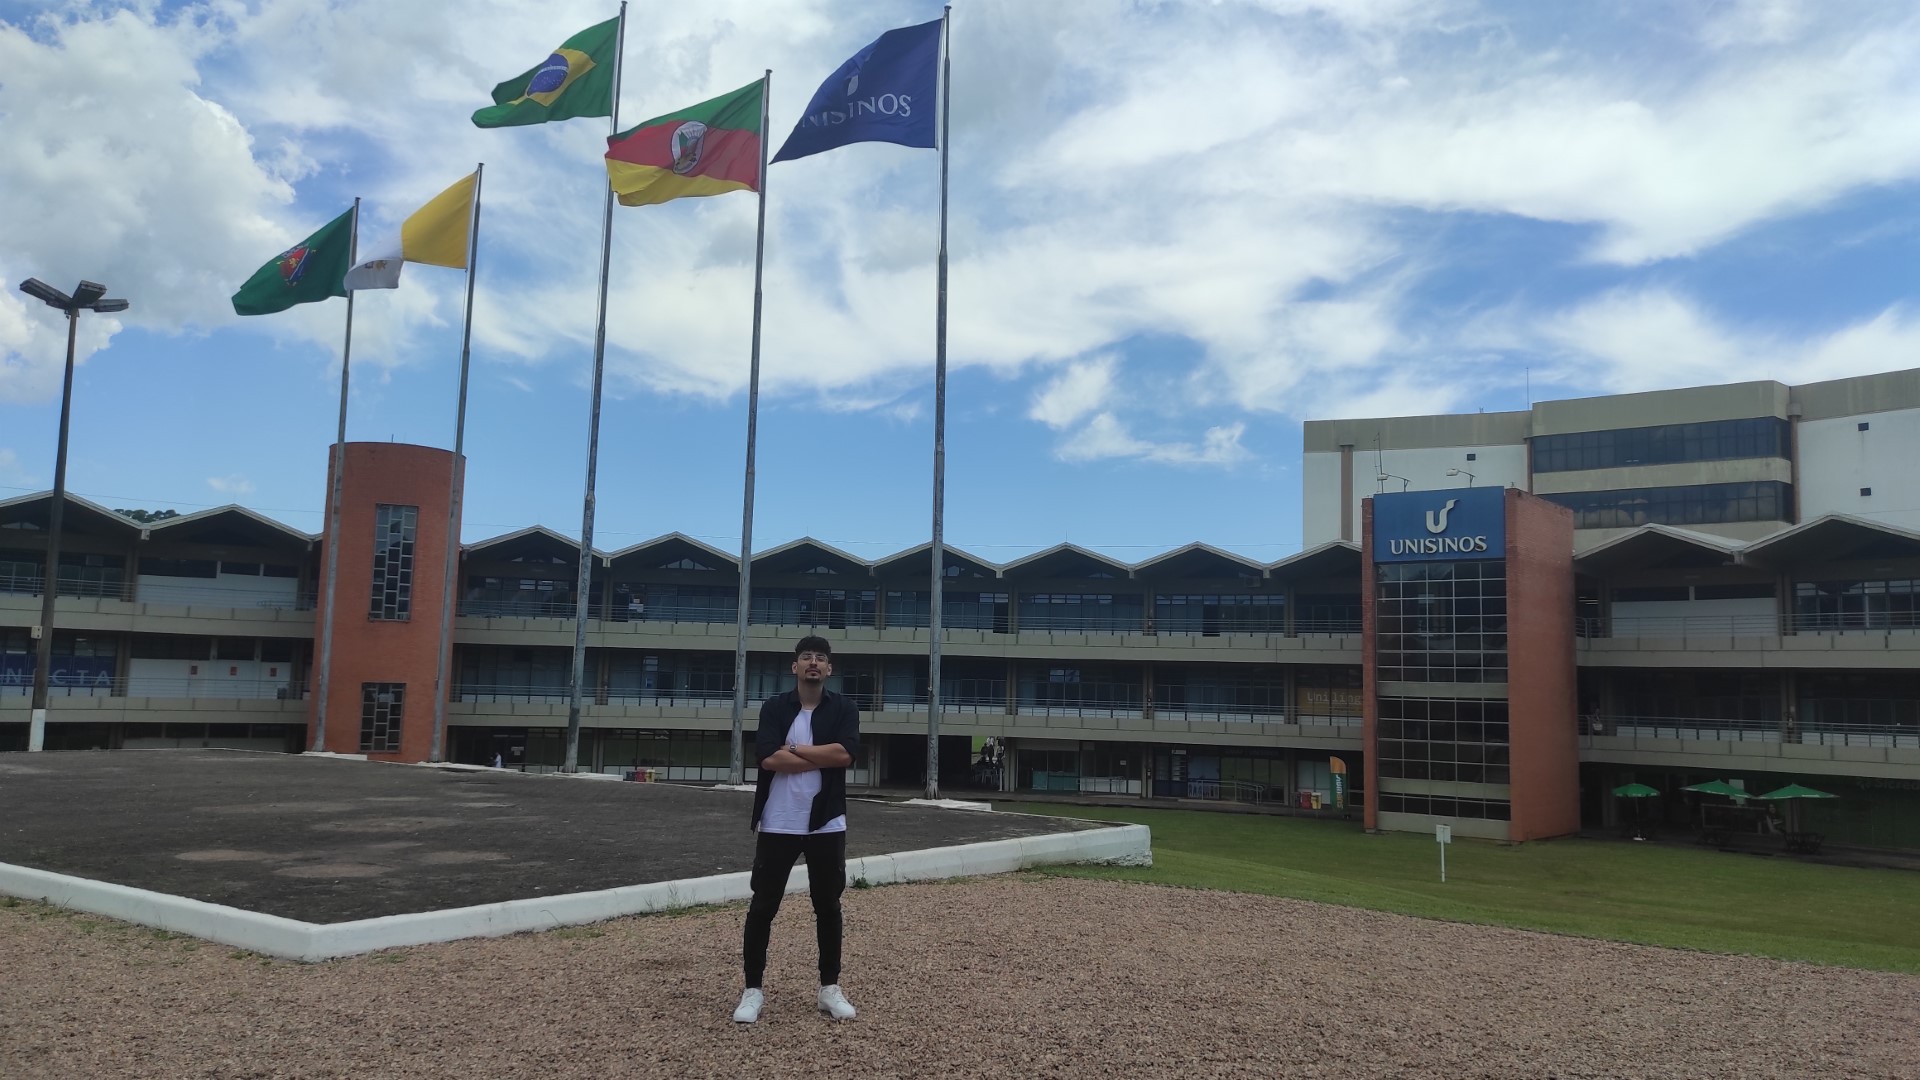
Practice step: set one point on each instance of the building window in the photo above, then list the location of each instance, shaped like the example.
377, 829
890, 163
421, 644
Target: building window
1473, 457
1211, 614
395, 528
1866, 491
1668, 444
834, 609
1439, 739
1697, 504
1856, 605
1442, 622
1862, 426
1125, 612
381, 705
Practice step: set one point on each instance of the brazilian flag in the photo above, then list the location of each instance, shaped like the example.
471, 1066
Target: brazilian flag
577, 80
309, 271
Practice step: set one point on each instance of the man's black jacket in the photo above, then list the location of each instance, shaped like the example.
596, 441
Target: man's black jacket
836, 720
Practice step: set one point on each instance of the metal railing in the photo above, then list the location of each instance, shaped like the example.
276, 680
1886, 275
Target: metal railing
1683, 626
1105, 699
89, 590
1215, 790
186, 687
1722, 729
1207, 712
1130, 622
175, 595
1711, 729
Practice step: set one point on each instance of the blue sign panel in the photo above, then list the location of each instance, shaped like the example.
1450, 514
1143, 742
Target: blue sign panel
16, 669
1440, 526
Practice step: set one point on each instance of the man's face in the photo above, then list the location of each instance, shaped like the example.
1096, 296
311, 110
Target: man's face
812, 667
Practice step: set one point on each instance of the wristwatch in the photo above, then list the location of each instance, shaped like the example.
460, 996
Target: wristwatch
793, 748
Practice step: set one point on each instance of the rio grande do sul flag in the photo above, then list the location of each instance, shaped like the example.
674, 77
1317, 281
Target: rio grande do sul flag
309, 271
707, 149
576, 80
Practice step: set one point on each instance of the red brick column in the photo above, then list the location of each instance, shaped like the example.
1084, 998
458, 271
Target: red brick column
369, 650
1542, 677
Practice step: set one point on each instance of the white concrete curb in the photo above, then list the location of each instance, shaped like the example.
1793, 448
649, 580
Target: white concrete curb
1128, 845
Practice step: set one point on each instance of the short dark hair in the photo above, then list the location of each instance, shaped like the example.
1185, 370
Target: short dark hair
814, 643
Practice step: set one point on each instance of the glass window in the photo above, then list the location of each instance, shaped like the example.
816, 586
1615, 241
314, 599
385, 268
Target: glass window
1213, 614
381, 706
1697, 504
1893, 604
1442, 622
1718, 440
395, 529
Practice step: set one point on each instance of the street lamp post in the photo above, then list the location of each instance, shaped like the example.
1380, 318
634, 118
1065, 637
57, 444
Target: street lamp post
1462, 472
88, 296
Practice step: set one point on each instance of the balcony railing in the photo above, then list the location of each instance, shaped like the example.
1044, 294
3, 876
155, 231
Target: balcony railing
1683, 626
194, 688
1711, 729
1721, 729
1216, 713
102, 590
174, 595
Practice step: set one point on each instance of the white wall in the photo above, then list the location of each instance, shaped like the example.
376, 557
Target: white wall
1320, 494
1426, 469
1657, 618
1837, 459
213, 678
233, 590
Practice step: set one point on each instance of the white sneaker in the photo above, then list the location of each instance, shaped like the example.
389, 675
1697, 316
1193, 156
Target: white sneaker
834, 1003
751, 1002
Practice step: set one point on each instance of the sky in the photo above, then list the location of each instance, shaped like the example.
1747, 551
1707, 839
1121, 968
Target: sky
1177, 230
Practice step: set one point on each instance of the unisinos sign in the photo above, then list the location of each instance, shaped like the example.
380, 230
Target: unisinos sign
1439, 526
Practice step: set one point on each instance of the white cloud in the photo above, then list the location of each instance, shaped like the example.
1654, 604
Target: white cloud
1105, 437
1754, 22
1074, 393
1649, 339
118, 170
12, 473
231, 485
1228, 177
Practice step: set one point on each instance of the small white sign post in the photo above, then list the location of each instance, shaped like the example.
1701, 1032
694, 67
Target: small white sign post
1443, 834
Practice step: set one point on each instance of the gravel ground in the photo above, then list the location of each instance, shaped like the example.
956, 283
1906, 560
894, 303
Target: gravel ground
1007, 977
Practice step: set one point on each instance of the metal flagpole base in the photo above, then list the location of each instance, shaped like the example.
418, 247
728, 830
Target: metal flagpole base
37, 732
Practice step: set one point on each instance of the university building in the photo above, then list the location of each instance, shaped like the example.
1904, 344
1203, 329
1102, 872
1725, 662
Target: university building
1496, 618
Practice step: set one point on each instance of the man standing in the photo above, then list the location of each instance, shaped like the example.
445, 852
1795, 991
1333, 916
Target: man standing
807, 738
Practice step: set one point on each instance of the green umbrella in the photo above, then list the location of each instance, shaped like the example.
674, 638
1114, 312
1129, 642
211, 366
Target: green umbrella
1719, 787
1634, 791
1795, 791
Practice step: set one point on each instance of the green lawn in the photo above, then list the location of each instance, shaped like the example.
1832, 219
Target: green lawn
1657, 894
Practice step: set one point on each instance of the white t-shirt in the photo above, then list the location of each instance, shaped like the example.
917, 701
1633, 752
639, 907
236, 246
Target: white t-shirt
790, 800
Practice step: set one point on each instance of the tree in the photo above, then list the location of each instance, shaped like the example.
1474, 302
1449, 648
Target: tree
148, 517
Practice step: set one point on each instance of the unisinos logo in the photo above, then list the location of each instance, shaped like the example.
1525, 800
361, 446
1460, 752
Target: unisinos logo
1417, 525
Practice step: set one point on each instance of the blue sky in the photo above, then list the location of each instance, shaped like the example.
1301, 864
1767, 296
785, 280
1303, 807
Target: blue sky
1178, 229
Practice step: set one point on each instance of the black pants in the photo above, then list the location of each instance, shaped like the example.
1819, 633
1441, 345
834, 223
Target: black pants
773, 857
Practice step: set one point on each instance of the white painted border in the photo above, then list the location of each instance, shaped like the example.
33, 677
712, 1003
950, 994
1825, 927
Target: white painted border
1129, 845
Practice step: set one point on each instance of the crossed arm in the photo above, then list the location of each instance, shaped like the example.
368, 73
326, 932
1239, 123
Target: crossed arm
807, 758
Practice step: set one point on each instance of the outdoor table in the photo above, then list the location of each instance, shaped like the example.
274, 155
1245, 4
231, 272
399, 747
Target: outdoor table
1807, 843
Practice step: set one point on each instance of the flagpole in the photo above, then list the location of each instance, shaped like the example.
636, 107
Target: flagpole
736, 769
572, 761
938, 552
333, 507
455, 495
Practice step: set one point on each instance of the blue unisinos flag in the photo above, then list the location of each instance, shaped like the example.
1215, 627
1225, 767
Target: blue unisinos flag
884, 93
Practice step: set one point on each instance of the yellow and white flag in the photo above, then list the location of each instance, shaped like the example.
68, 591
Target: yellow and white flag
436, 234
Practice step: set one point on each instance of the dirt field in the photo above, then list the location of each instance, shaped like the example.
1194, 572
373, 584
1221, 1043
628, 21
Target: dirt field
1006, 977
